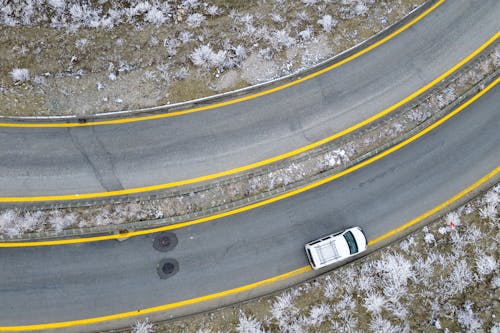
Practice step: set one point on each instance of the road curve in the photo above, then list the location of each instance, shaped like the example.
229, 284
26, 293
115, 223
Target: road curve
59, 161
61, 283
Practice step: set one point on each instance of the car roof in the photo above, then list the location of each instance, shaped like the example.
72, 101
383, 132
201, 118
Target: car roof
329, 249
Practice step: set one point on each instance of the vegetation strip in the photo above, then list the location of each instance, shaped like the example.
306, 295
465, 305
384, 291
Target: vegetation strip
264, 202
241, 99
251, 286
260, 163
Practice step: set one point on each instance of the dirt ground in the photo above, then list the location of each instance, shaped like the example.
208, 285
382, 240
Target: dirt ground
76, 69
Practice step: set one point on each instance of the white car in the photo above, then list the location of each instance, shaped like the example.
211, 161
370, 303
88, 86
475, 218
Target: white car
336, 247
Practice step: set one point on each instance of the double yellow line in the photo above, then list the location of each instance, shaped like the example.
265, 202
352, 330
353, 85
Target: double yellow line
247, 167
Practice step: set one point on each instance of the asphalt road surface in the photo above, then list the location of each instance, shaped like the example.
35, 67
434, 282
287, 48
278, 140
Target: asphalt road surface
58, 161
59, 283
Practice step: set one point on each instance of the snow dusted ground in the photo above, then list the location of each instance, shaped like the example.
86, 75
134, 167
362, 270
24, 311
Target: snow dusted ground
64, 57
443, 278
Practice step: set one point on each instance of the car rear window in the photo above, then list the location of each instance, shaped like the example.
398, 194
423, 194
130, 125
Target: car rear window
353, 247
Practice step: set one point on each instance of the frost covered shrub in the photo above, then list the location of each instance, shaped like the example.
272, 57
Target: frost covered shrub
20, 74
195, 20
202, 55
490, 202
374, 303
381, 325
281, 39
248, 324
284, 311
459, 279
318, 314
486, 265
328, 23
467, 319
74, 14
144, 326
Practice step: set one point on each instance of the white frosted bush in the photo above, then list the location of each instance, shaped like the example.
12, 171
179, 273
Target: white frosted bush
467, 319
281, 39
459, 279
473, 235
398, 310
20, 74
144, 326
309, 2
360, 8
424, 268
318, 314
195, 20
155, 16
284, 311
30, 221
334, 158
328, 23
489, 212
240, 53
218, 60
381, 325
58, 220
201, 56
182, 73
486, 265
276, 17
495, 282
429, 238
330, 288
374, 303
248, 324
395, 269
453, 218
57, 4
307, 33
190, 4
213, 10
185, 36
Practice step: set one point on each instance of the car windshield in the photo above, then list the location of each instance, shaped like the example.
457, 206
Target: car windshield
353, 247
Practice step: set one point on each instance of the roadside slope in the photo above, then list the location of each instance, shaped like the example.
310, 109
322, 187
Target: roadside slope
54, 161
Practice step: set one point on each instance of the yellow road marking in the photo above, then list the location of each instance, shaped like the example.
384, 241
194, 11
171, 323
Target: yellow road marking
264, 202
436, 209
237, 100
257, 164
243, 288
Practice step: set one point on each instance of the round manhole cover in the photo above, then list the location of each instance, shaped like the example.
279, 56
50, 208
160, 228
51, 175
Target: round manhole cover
165, 241
167, 267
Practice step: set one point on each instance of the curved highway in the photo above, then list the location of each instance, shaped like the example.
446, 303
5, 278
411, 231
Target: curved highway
62, 161
63, 283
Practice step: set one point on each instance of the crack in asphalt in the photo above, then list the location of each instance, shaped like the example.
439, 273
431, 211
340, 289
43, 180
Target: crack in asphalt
94, 152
